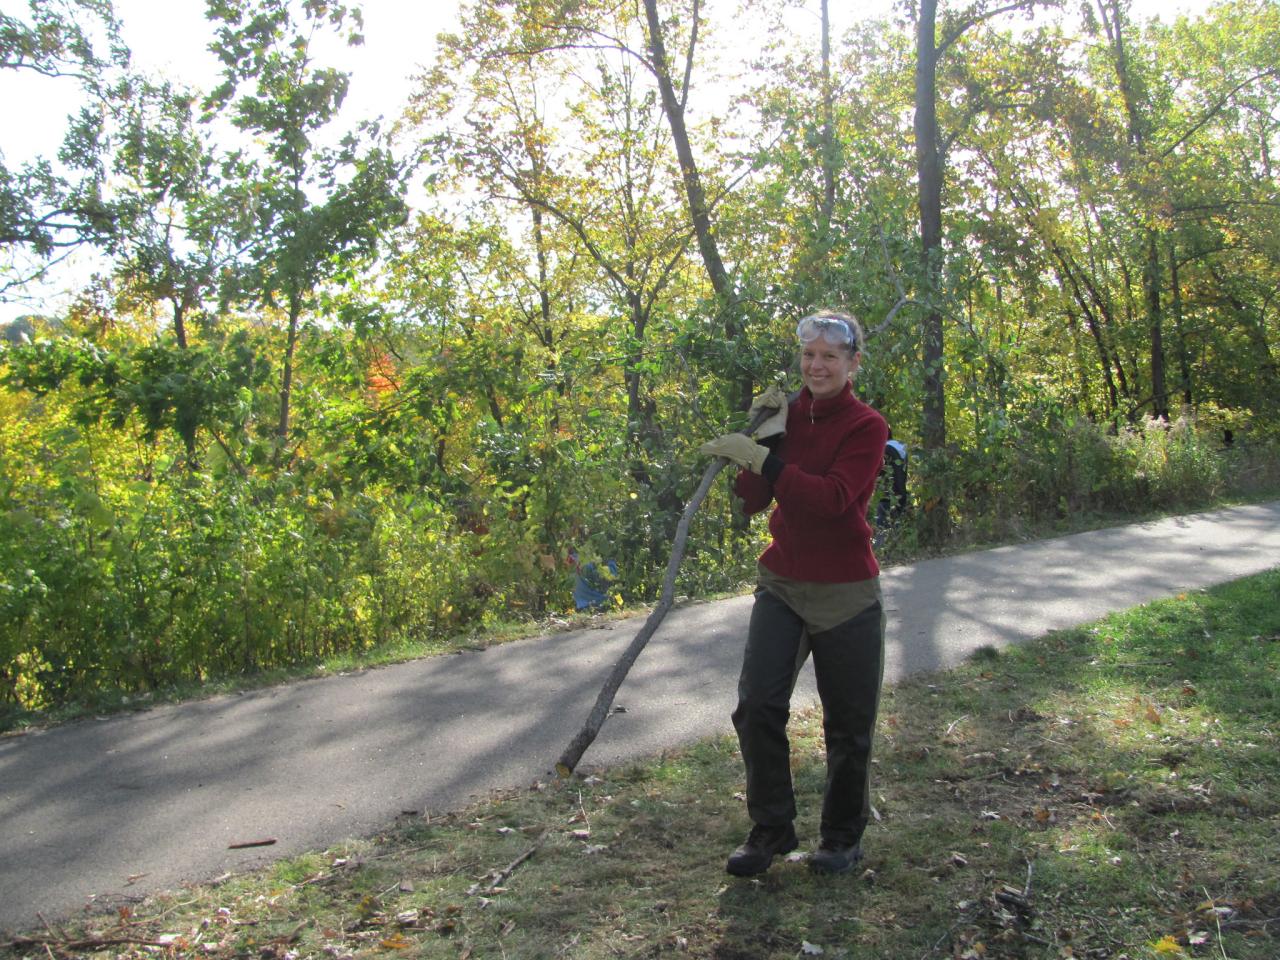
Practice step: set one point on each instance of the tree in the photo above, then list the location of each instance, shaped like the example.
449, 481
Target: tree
178, 225
610, 136
315, 208
44, 209
930, 164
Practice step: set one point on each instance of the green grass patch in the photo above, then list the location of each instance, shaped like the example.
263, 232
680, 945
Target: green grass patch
1106, 792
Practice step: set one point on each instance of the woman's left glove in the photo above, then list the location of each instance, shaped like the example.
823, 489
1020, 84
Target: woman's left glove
739, 448
775, 425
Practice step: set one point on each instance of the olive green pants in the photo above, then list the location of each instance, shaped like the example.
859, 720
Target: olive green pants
848, 662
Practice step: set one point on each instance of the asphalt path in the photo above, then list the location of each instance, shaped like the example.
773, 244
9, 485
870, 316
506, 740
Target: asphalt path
101, 812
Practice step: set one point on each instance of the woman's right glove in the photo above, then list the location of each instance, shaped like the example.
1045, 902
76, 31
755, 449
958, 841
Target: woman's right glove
739, 448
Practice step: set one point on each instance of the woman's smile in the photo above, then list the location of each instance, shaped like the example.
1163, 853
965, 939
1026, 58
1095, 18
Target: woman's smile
826, 368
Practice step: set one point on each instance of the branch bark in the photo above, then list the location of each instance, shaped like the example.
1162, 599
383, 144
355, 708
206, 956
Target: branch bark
599, 713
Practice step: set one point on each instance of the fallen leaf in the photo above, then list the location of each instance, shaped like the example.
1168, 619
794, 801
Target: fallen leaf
397, 942
1167, 946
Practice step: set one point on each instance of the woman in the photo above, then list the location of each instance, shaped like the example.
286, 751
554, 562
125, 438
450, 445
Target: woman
818, 592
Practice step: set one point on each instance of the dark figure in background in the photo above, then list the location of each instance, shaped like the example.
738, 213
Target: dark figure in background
893, 501
818, 593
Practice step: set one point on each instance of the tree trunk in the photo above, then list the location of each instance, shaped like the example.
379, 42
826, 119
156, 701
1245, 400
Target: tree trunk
180, 321
828, 136
1184, 357
1113, 21
286, 377
1151, 280
699, 212
1095, 331
929, 173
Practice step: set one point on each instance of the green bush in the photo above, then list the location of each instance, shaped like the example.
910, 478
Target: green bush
1046, 470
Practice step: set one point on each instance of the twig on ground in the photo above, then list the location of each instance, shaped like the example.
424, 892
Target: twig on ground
498, 878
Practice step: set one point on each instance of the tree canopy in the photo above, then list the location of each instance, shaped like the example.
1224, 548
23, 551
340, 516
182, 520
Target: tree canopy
337, 387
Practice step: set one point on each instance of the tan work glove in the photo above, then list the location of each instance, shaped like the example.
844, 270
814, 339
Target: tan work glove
771, 399
739, 448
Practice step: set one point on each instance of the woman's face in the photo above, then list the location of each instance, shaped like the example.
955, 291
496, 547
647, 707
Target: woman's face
826, 367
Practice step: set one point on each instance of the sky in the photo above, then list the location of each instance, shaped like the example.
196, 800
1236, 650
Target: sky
399, 38
169, 38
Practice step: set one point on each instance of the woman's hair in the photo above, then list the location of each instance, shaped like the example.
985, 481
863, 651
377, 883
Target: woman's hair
834, 326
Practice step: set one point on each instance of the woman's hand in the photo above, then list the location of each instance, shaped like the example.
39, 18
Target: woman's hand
739, 448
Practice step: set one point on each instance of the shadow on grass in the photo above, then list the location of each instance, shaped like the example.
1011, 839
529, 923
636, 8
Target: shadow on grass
1104, 792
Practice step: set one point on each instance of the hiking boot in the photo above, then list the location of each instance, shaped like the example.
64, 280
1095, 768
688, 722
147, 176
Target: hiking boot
833, 857
763, 844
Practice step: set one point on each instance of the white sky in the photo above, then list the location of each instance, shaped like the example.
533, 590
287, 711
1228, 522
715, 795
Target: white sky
169, 37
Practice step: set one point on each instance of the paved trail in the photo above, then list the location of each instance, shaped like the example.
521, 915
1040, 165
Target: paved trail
98, 812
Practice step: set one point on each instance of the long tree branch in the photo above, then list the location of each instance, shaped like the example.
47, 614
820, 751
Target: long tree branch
688, 60
976, 18
1216, 108
595, 719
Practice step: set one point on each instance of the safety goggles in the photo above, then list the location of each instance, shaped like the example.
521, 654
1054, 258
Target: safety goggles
831, 329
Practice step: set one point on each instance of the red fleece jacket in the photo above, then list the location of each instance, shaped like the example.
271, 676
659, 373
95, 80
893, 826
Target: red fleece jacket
832, 454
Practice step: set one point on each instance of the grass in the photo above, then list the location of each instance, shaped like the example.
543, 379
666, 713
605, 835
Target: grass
1106, 792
